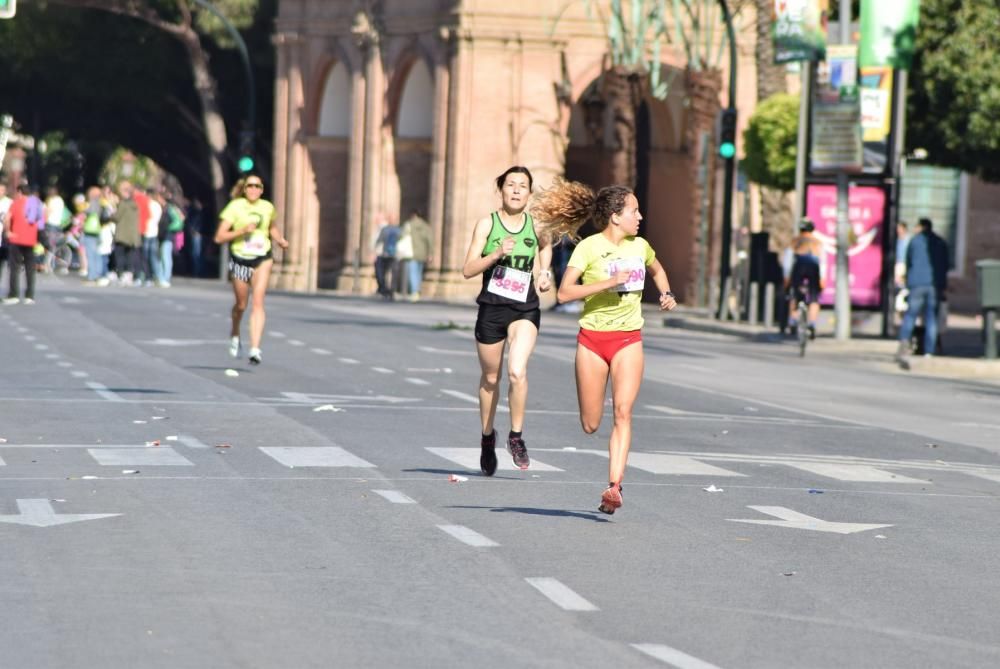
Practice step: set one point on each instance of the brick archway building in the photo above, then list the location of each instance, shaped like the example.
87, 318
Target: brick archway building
392, 106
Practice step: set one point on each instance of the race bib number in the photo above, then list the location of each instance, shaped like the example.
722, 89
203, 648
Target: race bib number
510, 283
254, 246
636, 274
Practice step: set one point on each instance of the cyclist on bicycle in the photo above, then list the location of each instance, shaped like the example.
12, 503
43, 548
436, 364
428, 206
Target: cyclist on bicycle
804, 275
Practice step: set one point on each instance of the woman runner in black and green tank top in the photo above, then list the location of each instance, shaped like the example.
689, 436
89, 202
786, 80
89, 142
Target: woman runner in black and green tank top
506, 251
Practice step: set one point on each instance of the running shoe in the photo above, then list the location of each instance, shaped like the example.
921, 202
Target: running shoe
255, 356
28, 300
488, 454
812, 332
234, 347
611, 499
517, 450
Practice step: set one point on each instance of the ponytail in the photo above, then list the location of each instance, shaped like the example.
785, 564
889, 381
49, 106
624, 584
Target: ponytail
565, 207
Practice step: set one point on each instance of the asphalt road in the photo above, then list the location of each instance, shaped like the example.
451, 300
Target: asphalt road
163, 505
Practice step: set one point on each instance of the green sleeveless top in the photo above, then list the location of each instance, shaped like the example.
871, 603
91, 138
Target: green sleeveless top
521, 258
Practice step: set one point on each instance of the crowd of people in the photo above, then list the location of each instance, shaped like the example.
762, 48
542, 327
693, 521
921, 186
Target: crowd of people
124, 235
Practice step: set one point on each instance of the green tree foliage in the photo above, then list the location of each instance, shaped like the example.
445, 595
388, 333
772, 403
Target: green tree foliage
954, 102
770, 142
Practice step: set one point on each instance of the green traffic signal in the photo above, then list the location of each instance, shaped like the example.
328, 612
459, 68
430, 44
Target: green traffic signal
727, 150
8, 8
245, 164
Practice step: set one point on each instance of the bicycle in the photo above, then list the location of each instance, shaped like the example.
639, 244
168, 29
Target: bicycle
800, 294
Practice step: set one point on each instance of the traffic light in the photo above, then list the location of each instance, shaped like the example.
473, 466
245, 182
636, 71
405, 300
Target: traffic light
246, 161
8, 8
727, 133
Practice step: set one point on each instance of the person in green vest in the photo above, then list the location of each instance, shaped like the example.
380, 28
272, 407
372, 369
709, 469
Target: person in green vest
510, 257
247, 225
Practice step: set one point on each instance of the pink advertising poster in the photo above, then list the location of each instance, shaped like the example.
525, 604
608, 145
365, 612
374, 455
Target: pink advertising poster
867, 209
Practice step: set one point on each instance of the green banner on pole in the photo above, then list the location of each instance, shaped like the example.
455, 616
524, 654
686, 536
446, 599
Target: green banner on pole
799, 28
888, 33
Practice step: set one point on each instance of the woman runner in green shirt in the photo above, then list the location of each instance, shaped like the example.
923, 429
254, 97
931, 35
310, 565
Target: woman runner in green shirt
503, 250
247, 225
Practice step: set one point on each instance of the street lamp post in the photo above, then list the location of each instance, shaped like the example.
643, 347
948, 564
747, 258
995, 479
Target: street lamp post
730, 167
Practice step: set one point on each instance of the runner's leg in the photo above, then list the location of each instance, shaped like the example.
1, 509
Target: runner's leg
490, 360
626, 377
522, 335
241, 289
258, 284
591, 383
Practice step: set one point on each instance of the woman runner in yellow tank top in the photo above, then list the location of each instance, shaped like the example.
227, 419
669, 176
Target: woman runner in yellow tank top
247, 225
612, 266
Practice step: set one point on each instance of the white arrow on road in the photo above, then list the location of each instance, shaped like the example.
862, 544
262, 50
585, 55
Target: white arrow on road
309, 398
39, 513
162, 341
800, 521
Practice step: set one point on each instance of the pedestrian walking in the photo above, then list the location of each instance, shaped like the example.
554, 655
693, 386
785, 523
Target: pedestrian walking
421, 237
612, 265
384, 249
926, 283
247, 225
508, 253
23, 222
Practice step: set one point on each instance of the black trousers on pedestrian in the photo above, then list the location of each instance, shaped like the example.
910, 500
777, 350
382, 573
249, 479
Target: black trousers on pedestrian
21, 256
384, 275
128, 259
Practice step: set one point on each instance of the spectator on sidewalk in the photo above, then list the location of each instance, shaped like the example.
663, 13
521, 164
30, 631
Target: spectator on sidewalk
926, 281
128, 239
421, 239
23, 221
384, 249
5, 202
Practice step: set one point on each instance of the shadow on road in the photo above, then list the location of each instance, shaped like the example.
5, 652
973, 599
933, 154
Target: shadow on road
532, 511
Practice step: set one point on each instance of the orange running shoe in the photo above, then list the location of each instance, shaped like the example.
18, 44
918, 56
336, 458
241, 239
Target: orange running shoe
611, 499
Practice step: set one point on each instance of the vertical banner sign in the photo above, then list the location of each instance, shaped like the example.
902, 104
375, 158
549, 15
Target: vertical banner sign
799, 28
836, 113
888, 32
866, 211
876, 116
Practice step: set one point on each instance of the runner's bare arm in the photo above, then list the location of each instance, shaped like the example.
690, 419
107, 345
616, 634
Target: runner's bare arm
225, 233
544, 280
570, 290
659, 277
277, 237
475, 263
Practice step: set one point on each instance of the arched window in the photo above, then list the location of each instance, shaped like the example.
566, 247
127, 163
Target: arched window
416, 107
335, 112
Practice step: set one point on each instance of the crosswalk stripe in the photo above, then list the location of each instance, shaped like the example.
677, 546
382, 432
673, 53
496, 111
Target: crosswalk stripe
139, 457
672, 656
314, 456
468, 458
560, 594
468, 537
395, 496
860, 473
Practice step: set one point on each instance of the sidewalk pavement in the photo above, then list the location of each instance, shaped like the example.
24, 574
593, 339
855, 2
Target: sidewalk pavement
961, 341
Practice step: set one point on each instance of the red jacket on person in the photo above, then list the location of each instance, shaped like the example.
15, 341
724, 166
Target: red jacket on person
20, 231
142, 200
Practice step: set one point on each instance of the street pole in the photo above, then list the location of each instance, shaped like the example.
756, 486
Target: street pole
802, 145
842, 300
251, 120
730, 168
898, 167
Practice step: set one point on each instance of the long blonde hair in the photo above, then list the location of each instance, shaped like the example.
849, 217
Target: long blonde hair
565, 207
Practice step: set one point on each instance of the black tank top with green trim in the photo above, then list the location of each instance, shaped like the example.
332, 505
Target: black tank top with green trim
521, 258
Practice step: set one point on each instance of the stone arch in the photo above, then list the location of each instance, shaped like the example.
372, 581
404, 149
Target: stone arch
333, 114
411, 118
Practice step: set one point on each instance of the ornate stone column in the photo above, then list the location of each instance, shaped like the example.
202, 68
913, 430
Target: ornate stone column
439, 157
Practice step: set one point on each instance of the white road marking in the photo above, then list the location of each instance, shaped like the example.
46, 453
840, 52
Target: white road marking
30, 337
314, 456
844, 472
164, 341
382, 370
140, 457
468, 537
468, 458
677, 465
800, 521
729, 418
296, 342
191, 442
39, 513
672, 656
321, 351
443, 351
348, 361
76, 373
560, 594
314, 399
465, 397
276, 334
417, 382
41, 347
429, 370
395, 496
64, 363
103, 391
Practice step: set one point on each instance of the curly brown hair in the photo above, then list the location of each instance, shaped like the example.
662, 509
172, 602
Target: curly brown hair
567, 205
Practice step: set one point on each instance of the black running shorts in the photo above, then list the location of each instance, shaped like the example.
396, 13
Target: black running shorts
242, 268
494, 319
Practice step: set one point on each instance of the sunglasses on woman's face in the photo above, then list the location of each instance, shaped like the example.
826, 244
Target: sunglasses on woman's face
254, 185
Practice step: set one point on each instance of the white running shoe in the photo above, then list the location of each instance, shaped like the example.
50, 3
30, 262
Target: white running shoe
28, 300
234, 347
255, 356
